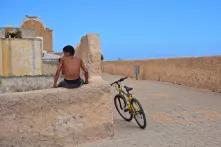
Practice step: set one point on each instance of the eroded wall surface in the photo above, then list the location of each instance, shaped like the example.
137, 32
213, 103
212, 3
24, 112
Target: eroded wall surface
1, 58
25, 83
56, 117
49, 67
2, 33
89, 51
201, 72
21, 57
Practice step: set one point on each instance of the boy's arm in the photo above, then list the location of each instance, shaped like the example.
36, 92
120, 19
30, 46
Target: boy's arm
85, 71
56, 76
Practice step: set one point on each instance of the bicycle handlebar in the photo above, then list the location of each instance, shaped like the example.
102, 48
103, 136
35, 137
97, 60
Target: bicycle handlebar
118, 81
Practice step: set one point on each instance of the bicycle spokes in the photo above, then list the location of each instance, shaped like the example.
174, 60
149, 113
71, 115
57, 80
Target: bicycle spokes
136, 108
121, 106
139, 114
121, 102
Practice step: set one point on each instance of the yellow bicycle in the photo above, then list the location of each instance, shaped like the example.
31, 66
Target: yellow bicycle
127, 106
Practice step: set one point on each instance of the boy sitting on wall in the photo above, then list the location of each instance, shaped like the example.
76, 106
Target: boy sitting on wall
70, 67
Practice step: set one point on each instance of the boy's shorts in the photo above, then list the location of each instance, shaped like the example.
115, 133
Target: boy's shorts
71, 83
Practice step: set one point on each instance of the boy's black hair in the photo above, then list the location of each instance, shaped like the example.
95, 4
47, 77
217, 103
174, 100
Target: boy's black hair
69, 49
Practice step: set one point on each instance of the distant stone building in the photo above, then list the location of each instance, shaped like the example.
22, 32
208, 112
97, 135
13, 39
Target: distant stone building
19, 56
21, 49
34, 23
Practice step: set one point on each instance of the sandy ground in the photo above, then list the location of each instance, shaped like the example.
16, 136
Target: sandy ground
178, 116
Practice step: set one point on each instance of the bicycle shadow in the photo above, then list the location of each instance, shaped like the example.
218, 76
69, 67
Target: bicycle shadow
120, 124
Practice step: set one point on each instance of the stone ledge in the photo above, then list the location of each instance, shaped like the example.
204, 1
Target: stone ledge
56, 117
25, 83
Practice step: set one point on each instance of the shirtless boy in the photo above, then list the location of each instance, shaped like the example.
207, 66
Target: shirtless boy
70, 67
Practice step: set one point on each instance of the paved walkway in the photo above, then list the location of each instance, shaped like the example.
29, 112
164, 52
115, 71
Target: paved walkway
178, 116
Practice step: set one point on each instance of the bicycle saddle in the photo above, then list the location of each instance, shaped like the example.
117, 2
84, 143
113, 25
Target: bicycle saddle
128, 88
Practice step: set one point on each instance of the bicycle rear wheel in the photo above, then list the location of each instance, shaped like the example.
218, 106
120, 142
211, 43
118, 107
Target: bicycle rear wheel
122, 108
139, 114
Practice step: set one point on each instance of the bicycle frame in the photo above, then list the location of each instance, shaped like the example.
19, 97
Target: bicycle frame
129, 96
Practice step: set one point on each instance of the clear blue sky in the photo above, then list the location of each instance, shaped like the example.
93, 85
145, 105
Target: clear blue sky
129, 29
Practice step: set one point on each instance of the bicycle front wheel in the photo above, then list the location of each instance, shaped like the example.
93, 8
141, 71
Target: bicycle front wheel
139, 114
122, 107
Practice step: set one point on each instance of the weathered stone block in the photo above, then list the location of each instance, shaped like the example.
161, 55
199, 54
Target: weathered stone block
20, 57
56, 117
89, 51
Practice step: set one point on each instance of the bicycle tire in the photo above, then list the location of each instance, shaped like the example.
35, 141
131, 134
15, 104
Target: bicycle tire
140, 111
123, 104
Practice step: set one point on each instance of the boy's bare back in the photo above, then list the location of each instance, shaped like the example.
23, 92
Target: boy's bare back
71, 67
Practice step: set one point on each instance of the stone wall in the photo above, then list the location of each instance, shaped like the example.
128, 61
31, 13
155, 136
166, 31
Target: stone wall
56, 117
48, 39
1, 58
25, 83
49, 67
2, 33
201, 72
28, 33
35, 24
20, 57
89, 51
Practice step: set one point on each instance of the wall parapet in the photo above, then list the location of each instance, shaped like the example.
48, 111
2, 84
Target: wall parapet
200, 72
56, 117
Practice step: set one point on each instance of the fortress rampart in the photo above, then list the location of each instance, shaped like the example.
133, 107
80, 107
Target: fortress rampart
200, 72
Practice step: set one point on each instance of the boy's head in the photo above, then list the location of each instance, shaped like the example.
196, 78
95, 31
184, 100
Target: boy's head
68, 50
